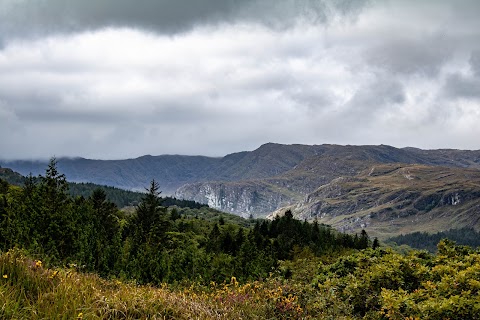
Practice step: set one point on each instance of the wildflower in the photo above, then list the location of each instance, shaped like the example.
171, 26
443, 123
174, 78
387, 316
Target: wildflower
38, 263
80, 315
5, 276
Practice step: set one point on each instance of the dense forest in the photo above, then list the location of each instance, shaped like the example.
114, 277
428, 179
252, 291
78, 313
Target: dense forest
155, 243
427, 241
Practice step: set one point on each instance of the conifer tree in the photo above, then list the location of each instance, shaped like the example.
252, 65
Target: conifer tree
56, 220
105, 227
150, 220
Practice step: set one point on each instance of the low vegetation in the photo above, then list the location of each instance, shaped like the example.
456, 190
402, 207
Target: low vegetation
368, 284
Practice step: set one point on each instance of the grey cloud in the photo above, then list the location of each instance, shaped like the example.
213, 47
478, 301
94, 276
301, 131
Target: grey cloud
382, 93
459, 86
315, 99
39, 17
422, 55
475, 62
359, 119
65, 115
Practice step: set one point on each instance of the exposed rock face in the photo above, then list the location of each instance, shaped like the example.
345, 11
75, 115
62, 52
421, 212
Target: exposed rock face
262, 196
244, 199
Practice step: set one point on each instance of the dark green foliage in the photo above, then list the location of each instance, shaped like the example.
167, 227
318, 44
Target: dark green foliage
426, 241
124, 198
3, 186
11, 176
121, 198
169, 201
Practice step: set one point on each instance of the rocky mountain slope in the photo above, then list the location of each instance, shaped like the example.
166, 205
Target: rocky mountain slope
259, 196
390, 199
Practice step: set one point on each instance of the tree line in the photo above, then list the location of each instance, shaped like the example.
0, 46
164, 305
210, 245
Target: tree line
426, 241
121, 198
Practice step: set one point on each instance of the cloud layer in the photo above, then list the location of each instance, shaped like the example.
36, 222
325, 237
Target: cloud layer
108, 79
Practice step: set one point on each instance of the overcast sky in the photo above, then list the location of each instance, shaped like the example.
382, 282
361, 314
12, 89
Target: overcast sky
111, 79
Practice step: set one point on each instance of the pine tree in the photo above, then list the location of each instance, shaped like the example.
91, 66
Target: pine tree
56, 220
105, 231
150, 220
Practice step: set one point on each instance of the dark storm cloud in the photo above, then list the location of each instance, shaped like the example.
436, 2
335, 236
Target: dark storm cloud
40, 17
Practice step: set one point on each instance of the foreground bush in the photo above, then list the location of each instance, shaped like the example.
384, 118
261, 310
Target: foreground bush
381, 284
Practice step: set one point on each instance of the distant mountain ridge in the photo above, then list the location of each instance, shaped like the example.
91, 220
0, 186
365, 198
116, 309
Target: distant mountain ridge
254, 182
269, 160
131, 174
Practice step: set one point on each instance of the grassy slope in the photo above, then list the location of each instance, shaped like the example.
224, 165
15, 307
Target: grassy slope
28, 290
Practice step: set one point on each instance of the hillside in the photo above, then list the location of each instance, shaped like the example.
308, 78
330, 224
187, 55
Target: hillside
262, 196
121, 198
322, 164
390, 199
130, 174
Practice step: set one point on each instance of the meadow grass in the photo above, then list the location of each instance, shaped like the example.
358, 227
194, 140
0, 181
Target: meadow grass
28, 290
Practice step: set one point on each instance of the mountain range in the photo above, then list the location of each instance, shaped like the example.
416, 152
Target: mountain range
383, 189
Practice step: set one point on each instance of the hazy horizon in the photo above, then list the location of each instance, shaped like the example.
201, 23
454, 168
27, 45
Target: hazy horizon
45, 159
